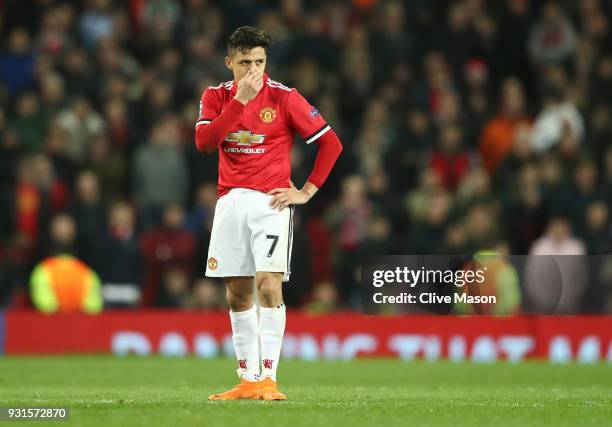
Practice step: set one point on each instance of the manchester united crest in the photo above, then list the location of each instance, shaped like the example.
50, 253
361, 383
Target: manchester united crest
267, 115
212, 264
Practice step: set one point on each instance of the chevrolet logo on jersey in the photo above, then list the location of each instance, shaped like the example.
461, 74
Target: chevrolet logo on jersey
245, 137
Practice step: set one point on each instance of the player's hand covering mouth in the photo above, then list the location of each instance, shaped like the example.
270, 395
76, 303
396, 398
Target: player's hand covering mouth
249, 86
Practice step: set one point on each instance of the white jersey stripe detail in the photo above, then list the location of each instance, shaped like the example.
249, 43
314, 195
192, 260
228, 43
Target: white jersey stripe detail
227, 85
278, 86
274, 82
202, 122
318, 134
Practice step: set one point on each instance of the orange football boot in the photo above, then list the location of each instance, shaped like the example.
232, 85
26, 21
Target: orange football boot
269, 390
244, 390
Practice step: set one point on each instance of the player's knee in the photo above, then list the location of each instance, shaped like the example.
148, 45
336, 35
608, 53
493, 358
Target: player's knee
239, 301
269, 286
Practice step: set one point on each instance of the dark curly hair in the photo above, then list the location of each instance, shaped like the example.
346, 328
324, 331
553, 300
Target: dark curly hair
244, 39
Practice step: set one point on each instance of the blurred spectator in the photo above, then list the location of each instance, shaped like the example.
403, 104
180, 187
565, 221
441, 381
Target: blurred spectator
449, 161
520, 154
52, 95
10, 152
96, 22
499, 133
418, 200
77, 69
601, 85
118, 259
15, 265
159, 20
167, 247
556, 283
205, 61
403, 159
427, 237
481, 228
35, 197
558, 240
375, 137
201, 215
117, 118
552, 38
64, 284
597, 231
573, 200
174, 290
383, 198
62, 237
28, 122
55, 147
17, 62
600, 130
559, 123
439, 85
324, 299
455, 240
350, 216
525, 212
349, 221
477, 76
501, 280
55, 35
81, 123
475, 189
159, 171
109, 165
89, 212
207, 294
378, 240
199, 222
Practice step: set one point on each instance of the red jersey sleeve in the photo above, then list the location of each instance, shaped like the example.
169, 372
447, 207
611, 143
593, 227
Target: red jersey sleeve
304, 118
213, 124
210, 107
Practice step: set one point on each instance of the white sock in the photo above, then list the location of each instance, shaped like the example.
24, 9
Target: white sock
271, 330
245, 333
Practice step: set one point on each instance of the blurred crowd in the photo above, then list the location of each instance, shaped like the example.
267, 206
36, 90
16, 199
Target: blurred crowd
468, 125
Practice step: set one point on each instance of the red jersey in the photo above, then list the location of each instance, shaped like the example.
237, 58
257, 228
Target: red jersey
256, 153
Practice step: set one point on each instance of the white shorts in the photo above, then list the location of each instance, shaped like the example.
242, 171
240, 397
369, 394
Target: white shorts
249, 236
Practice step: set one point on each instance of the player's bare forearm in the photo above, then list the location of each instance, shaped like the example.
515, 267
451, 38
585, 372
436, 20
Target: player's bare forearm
310, 189
283, 197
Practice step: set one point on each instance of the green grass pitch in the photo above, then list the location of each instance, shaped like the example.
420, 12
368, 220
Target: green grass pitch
132, 391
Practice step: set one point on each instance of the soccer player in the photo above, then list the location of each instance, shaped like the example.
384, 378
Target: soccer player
252, 121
